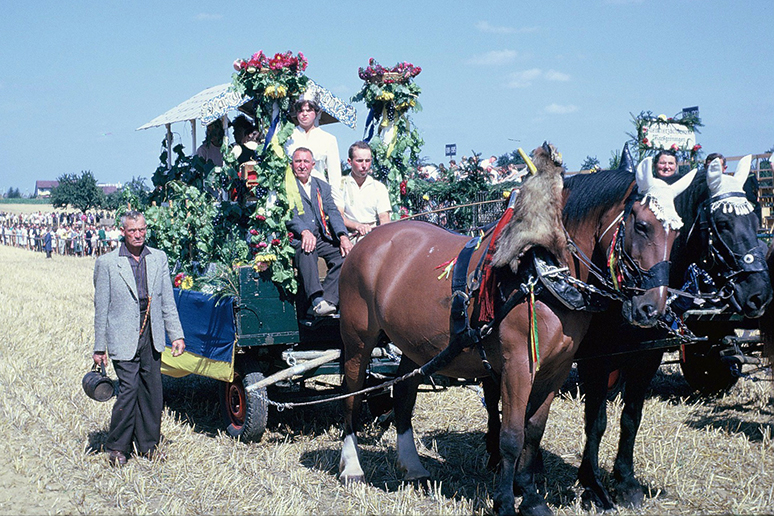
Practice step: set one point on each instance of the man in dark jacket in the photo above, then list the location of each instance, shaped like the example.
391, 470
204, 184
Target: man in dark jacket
318, 231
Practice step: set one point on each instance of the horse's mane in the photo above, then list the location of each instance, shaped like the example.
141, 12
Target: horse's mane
598, 192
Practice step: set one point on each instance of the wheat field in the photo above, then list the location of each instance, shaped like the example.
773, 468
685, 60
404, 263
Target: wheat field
709, 456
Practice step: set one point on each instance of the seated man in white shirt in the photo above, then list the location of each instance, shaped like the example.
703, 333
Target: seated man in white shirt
366, 200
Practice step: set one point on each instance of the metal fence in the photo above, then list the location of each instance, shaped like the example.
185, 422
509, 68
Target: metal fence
462, 218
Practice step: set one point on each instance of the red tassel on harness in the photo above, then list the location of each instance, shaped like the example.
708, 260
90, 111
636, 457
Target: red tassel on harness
486, 291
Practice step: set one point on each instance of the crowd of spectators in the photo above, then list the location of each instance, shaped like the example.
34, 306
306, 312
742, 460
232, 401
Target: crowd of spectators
73, 234
488, 167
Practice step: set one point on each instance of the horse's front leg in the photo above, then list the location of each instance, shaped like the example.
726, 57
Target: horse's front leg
405, 394
515, 386
593, 375
531, 460
492, 439
355, 364
638, 374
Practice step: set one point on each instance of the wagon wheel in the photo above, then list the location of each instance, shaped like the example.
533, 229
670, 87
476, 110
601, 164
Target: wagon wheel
704, 370
245, 413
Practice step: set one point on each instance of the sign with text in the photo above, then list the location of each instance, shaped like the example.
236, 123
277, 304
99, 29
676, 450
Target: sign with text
663, 135
451, 149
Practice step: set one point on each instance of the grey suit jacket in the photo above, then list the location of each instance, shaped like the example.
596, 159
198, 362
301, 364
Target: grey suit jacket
117, 307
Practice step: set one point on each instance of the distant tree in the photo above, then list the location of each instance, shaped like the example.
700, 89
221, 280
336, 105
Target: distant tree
112, 200
13, 193
81, 192
512, 158
135, 193
615, 160
589, 163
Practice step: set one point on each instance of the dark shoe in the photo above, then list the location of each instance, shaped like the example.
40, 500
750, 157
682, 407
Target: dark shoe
117, 458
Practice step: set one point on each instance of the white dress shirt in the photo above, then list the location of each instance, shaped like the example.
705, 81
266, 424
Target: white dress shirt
325, 150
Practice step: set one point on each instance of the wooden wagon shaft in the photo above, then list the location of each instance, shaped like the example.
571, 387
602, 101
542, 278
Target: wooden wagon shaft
295, 370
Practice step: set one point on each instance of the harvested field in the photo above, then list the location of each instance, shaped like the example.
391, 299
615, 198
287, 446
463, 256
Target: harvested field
709, 456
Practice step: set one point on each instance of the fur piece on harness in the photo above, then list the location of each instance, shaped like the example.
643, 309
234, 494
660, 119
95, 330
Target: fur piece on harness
533, 218
537, 214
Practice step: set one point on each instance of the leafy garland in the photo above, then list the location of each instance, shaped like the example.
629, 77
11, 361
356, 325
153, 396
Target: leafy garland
250, 226
644, 146
390, 94
274, 84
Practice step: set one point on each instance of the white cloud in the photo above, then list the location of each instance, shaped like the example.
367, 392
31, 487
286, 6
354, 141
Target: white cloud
558, 109
494, 58
553, 75
524, 78
208, 17
486, 27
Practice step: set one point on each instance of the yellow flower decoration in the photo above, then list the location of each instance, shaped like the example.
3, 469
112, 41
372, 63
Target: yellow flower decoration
426, 197
663, 118
187, 283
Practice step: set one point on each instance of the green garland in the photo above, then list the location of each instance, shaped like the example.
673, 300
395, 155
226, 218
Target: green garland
275, 84
644, 147
391, 94
250, 226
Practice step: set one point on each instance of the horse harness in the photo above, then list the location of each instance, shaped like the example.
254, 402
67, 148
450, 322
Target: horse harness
540, 275
720, 253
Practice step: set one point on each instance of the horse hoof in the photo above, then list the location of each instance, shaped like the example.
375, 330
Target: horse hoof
350, 480
504, 509
537, 509
629, 495
420, 484
590, 501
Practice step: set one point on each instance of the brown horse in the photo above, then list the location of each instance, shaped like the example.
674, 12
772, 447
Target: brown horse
389, 289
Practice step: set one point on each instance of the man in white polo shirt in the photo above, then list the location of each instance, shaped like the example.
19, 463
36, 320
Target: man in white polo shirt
366, 201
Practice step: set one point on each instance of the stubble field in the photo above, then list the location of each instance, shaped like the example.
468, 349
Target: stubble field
694, 455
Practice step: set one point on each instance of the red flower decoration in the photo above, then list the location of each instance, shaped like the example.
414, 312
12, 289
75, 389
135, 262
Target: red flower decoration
260, 217
253, 231
403, 189
276, 241
179, 278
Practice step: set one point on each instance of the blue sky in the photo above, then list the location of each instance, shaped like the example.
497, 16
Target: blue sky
77, 78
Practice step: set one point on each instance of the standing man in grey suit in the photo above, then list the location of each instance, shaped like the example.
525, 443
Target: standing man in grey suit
318, 231
134, 307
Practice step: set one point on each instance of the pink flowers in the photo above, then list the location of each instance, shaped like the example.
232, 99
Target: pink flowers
275, 241
259, 61
674, 147
253, 232
646, 142
403, 187
401, 72
696, 148
260, 218
179, 279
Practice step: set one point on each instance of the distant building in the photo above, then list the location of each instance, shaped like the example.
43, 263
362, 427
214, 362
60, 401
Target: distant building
109, 188
43, 188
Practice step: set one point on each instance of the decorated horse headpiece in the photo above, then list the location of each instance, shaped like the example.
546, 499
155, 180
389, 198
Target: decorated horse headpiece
659, 196
726, 190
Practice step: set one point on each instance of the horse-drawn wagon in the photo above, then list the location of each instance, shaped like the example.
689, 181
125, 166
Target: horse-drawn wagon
255, 340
